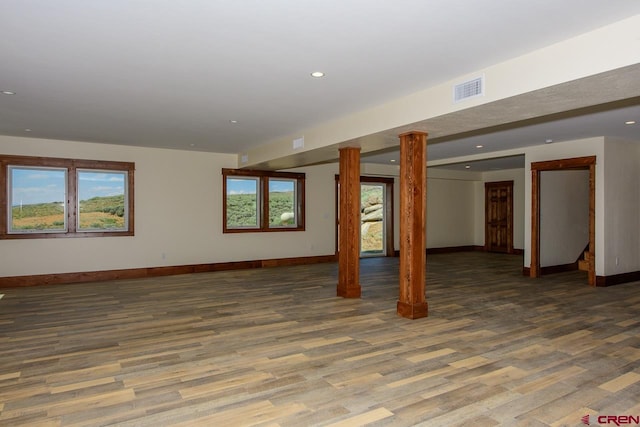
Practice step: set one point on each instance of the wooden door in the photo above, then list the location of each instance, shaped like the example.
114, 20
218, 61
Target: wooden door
498, 235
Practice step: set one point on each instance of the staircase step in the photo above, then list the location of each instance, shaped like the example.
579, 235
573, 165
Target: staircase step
583, 265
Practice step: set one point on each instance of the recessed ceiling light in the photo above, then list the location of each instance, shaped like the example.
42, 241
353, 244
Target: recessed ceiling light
479, 146
548, 141
8, 92
233, 121
393, 160
192, 145
467, 166
630, 122
27, 130
317, 74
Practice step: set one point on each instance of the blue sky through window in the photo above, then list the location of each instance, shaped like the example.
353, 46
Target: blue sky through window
100, 184
249, 185
241, 186
34, 185
276, 186
31, 186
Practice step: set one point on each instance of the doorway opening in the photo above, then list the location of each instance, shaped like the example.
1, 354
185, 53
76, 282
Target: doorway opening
537, 168
376, 216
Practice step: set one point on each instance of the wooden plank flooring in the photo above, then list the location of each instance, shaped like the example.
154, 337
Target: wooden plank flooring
275, 346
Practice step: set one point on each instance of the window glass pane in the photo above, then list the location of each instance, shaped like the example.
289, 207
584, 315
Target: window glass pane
242, 202
37, 200
282, 203
102, 200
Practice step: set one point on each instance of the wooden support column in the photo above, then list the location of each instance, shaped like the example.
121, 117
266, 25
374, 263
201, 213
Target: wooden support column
413, 241
349, 227
534, 264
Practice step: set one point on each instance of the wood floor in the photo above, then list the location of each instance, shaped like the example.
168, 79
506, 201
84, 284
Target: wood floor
275, 347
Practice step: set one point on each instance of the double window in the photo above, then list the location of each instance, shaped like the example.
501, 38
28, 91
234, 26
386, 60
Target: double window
262, 201
50, 197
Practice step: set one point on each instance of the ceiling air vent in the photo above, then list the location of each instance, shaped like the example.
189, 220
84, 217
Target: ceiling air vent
469, 89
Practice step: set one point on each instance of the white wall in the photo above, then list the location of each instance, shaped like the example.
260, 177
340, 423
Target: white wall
450, 208
178, 211
179, 214
564, 216
451, 205
621, 252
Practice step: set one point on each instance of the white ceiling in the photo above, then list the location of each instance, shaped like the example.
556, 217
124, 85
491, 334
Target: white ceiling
175, 74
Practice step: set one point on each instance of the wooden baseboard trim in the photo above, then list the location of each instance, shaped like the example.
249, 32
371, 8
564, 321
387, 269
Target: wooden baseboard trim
526, 271
138, 273
618, 279
553, 269
452, 249
603, 281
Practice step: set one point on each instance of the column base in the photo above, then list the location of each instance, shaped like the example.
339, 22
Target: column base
412, 311
351, 292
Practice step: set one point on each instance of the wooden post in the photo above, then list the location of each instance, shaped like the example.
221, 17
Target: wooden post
349, 227
413, 241
534, 265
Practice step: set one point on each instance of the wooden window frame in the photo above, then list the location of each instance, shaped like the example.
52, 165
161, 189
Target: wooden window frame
263, 199
71, 204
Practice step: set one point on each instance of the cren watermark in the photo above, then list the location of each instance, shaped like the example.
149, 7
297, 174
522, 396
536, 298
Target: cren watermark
617, 420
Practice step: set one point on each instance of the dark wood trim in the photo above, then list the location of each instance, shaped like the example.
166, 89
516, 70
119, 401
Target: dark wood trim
564, 164
603, 281
617, 279
263, 202
509, 185
389, 208
592, 223
577, 163
468, 248
553, 269
412, 301
534, 270
4, 196
452, 249
349, 237
262, 173
71, 166
137, 273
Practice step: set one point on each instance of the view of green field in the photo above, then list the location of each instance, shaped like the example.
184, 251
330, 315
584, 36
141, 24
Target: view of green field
241, 212
100, 213
241, 209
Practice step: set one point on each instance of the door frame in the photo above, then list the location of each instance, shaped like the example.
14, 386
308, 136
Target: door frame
488, 185
388, 210
577, 163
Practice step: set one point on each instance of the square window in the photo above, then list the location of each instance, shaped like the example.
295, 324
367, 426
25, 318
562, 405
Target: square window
102, 201
242, 201
282, 203
37, 200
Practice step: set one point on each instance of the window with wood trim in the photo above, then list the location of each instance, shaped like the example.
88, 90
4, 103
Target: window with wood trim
255, 201
45, 197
